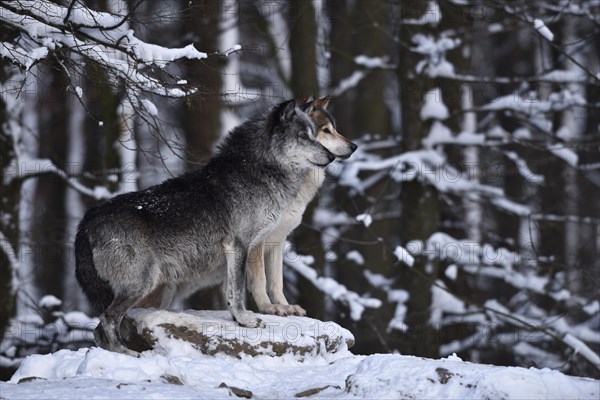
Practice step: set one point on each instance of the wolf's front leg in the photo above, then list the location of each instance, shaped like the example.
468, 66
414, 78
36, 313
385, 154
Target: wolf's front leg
273, 262
236, 255
257, 281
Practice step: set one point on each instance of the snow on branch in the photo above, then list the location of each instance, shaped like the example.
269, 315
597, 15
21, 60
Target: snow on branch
99, 36
329, 286
430, 167
543, 30
582, 349
23, 168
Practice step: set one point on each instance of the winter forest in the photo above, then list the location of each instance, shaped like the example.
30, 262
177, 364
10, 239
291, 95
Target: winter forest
467, 221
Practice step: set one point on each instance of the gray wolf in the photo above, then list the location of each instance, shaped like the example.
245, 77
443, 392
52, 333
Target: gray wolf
265, 260
265, 264
198, 227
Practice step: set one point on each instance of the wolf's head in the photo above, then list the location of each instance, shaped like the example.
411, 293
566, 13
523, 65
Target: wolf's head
293, 137
327, 133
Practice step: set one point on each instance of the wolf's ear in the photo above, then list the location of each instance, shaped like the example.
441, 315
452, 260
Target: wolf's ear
306, 104
287, 110
301, 102
323, 102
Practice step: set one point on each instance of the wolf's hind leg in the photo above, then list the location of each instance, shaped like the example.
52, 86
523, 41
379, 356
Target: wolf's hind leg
107, 333
236, 255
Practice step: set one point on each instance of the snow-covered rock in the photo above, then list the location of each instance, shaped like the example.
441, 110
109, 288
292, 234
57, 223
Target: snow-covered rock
404, 377
215, 332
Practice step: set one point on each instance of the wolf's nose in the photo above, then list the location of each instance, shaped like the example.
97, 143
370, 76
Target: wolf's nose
353, 146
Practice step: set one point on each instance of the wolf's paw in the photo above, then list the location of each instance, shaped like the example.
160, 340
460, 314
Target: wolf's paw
297, 310
284, 310
249, 320
290, 309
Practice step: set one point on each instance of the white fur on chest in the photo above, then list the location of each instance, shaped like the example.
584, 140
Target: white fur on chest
292, 216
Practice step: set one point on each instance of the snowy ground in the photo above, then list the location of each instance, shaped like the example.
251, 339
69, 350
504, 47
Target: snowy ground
95, 373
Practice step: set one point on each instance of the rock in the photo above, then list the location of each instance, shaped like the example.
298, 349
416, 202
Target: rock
444, 375
215, 332
312, 392
172, 379
30, 379
246, 394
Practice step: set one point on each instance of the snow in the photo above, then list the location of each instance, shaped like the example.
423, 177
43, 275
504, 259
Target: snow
453, 357
443, 302
106, 41
566, 154
403, 255
24, 57
433, 106
349, 82
377, 280
97, 373
150, 107
329, 286
581, 348
233, 49
434, 50
541, 27
561, 76
400, 297
439, 133
366, 219
389, 376
355, 256
523, 168
451, 272
431, 16
592, 308
217, 333
49, 301
372, 62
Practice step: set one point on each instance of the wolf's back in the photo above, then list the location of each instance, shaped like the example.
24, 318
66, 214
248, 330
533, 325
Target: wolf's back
97, 290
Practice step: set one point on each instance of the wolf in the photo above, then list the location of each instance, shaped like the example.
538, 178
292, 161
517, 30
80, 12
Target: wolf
265, 260
265, 263
200, 226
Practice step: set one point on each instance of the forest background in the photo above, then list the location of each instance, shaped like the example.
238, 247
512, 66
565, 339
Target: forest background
468, 220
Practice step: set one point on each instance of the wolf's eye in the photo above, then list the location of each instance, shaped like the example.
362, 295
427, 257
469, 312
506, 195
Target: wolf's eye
326, 130
303, 135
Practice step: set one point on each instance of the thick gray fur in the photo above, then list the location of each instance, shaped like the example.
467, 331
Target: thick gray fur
189, 228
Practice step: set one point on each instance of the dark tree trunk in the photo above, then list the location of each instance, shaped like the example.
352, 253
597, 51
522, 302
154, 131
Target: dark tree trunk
202, 116
419, 201
302, 43
303, 40
9, 223
48, 231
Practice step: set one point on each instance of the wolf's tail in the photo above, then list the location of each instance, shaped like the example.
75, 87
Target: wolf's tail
96, 289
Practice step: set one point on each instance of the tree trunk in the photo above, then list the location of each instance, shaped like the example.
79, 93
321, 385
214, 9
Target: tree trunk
49, 217
303, 39
202, 117
419, 201
302, 43
9, 213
